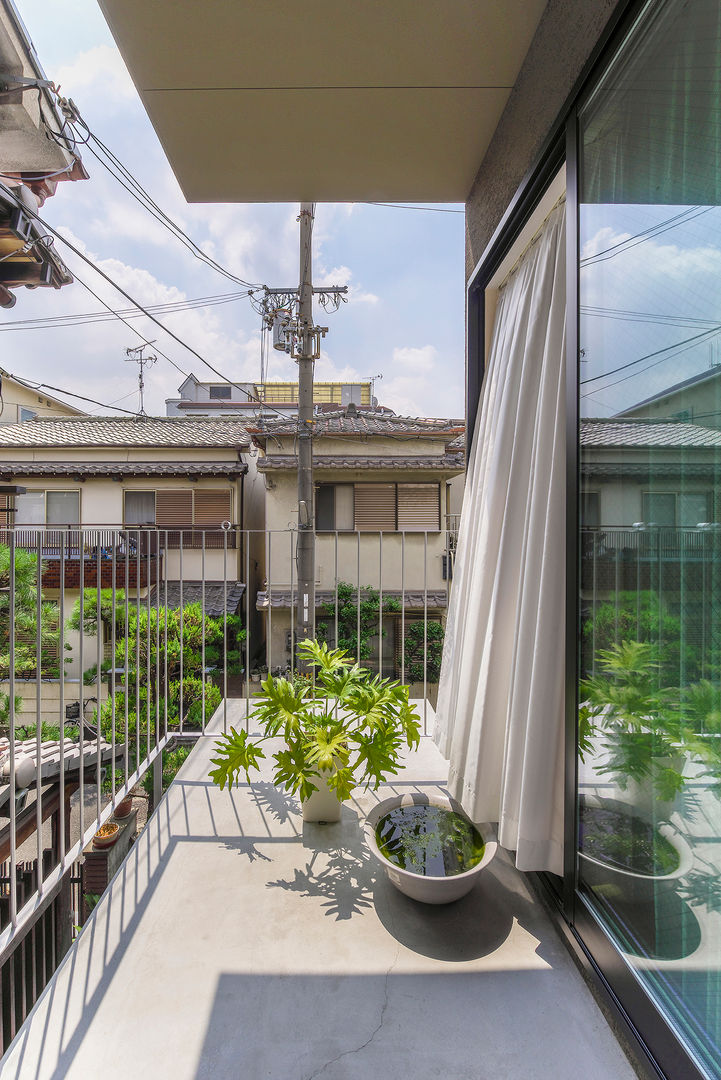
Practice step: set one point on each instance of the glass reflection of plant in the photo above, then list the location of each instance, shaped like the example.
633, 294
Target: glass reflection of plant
644, 726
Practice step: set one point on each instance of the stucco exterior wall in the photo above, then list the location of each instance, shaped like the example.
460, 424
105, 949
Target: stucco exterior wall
565, 39
17, 397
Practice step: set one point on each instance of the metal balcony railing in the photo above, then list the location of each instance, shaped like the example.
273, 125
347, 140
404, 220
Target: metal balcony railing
96, 684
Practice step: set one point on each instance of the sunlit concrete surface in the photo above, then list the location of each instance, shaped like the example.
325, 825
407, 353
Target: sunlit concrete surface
237, 942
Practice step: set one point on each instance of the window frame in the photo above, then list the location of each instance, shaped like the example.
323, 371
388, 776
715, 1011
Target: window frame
438, 485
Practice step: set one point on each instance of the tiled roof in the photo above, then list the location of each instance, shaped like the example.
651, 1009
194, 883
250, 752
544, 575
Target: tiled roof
219, 597
325, 598
122, 431
121, 468
26, 758
354, 421
657, 433
330, 461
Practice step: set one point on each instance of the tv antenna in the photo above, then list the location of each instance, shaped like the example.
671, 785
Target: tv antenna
135, 356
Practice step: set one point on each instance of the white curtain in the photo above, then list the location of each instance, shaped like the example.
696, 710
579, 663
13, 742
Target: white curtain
500, 713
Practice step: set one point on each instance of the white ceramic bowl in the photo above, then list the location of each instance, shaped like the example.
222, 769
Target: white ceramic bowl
428, 890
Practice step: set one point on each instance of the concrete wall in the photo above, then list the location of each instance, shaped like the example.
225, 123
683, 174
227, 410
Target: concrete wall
564, 41
50, 700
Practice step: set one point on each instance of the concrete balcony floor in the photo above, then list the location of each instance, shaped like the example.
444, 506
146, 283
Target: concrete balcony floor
235, 942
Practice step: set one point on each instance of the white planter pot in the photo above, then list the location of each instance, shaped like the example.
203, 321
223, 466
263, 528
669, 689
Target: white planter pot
427, 890
323, 804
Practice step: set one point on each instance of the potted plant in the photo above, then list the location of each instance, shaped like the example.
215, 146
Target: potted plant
342, 728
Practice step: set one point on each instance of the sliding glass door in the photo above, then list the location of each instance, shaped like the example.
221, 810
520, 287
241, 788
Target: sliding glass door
649, 839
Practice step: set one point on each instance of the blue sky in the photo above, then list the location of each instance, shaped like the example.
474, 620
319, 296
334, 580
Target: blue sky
404, 319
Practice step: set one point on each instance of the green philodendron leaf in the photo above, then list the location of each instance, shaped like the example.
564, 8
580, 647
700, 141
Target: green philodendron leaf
326, 748
236, 754
342, 782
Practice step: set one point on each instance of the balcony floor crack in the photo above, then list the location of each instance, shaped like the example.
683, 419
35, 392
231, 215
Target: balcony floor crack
371, 1037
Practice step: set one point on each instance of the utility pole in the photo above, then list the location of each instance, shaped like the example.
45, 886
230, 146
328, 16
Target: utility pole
307, 343
288, 312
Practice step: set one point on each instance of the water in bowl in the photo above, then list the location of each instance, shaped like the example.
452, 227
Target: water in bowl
429, 840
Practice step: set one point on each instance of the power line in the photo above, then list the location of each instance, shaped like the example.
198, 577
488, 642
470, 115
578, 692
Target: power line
641, 237
89, 317
651, 355
68, 393
406, 206
112, 163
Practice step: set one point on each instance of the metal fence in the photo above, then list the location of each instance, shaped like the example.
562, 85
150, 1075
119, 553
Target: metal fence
109, 676
657, 584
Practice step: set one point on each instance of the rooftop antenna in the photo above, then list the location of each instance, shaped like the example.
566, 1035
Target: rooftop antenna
372, 381
135, 356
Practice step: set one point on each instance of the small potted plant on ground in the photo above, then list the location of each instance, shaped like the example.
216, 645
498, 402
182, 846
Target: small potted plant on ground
343, 728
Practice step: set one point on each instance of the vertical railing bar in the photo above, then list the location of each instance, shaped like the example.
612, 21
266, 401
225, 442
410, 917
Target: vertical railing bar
181, 623
39, 707
291, 537
335, 590
594, 589
148, 649
202, 623
98, 670
269, 635
61, 704
165, 631
225, 635
425, 633
247, 629
357, 599
81, 662
137, 647
403, 606
11, 734
111, 671
126, 658
380, 603
156, 565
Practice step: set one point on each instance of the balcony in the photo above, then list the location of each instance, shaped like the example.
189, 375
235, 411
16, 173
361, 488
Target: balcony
263, 947
259, 945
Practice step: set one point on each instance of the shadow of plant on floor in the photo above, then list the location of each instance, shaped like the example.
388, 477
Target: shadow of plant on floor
341, 876
271, 800
245, 845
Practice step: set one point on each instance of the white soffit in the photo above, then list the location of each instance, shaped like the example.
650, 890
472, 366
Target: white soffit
285, 101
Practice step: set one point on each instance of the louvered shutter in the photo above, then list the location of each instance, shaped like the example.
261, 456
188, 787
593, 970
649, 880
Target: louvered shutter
175, 507
212, 507
375, 507
419, 507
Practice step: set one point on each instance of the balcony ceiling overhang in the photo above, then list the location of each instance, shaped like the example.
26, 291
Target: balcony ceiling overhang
283, 101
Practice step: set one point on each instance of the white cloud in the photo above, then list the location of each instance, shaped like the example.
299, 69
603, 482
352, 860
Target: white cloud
100, 69
417, 360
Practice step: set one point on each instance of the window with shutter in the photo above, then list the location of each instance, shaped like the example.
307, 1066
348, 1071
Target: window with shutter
375, 507
175, 507
212, 507
419, 507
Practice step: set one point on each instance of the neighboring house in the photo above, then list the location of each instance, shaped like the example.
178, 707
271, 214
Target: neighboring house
151, 495
696, 400
19, 401
248, 398
375, 473
648, 472
34, 158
